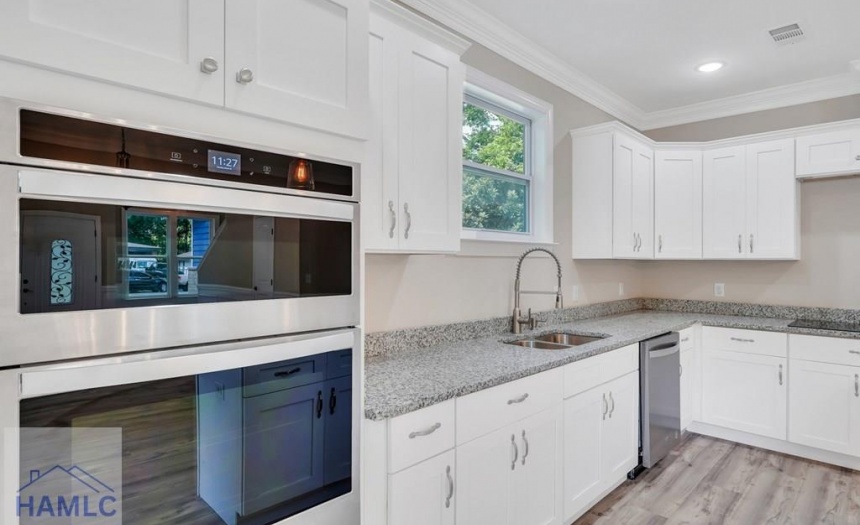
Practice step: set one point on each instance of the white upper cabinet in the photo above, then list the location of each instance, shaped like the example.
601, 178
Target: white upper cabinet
724, 203
829, 153
633, 200
592, 190
750, 202
678, 204
302, 61
772, 194
411, 180
174, 47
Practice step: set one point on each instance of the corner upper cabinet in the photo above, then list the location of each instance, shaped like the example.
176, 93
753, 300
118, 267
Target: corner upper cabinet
678, 204
114, 42
633, 199
301, 61
750, 199
829, 153
412, 180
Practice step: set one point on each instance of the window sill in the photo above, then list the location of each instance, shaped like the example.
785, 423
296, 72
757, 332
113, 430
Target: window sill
470, 247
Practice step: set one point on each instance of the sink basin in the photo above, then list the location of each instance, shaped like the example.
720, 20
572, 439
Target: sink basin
540, 345
556, 341
567, 339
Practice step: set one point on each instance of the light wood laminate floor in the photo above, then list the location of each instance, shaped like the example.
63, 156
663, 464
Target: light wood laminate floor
711, 481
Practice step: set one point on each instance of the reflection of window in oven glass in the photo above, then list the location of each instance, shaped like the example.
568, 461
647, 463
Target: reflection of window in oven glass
145, 261
193, 238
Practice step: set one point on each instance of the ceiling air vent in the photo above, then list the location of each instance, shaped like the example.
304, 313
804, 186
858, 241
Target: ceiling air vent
784, 36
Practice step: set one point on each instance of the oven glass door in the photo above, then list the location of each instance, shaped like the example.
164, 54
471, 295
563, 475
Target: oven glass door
247, 445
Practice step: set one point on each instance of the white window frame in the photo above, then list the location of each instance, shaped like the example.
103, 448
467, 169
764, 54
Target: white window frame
520, 106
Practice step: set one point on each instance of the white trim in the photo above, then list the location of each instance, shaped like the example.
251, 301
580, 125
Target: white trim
487, 30
539, 155
420, 25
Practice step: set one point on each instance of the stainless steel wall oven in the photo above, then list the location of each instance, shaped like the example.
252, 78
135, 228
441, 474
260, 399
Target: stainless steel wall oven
201, 297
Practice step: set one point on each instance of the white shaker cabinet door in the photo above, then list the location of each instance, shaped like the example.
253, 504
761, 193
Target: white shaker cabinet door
537, 479
299, 61
583, 421
678, 204
430, 129
825, 406
772, 218
423, 494
745, 392
724, 203
380, 202
484, 471
174, 47
620, 437
831, 153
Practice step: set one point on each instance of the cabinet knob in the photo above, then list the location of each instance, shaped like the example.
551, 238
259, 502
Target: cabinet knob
208, 65
857, 157
244, 76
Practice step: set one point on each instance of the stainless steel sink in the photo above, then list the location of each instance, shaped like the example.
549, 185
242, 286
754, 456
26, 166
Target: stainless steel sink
540, 345
567, 339
555, 341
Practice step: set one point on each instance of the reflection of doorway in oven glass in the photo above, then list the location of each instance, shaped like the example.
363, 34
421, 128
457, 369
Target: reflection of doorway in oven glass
264, 256
59, 261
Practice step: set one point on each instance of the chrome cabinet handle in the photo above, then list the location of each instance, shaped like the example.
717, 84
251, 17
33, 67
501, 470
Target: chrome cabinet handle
450, 487
740, 243
684, 340
660, 243
780, 375
605, 406
611, 410
739, 340
856, 352
425, 432
408, 220
517, 400
244, 76
681, 372
516, 452
208, 65
856, 385
525, 448
634, 241
857, 157
393, 219
752, 246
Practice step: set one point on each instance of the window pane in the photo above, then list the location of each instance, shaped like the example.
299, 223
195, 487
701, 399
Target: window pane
193, 239
494, 203
493, 140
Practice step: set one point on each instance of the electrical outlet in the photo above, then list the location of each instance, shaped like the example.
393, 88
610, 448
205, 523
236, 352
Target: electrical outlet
719, 290
575, 292
620, 288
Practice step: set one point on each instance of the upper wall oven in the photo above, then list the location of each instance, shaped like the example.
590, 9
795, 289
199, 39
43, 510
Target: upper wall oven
127, 238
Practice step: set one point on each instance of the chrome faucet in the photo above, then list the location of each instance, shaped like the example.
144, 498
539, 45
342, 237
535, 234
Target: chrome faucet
517, 321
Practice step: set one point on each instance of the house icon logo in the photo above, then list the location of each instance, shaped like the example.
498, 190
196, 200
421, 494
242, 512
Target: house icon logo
61, 492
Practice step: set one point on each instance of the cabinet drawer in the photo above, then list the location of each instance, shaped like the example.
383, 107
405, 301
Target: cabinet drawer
748, 341
588, 373
272, 377
687, 338
338, 364
825, 349
488, 410
418, 435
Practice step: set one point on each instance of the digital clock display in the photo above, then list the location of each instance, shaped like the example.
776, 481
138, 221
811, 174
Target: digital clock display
223, 162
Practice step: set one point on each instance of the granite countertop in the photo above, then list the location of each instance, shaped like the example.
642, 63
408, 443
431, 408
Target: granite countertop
409, 380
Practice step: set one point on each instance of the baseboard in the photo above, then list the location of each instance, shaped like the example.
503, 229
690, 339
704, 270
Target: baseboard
776, 445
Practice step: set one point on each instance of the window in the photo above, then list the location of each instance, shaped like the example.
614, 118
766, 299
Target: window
507, 163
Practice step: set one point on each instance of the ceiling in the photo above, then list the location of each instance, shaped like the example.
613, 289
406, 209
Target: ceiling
637, 59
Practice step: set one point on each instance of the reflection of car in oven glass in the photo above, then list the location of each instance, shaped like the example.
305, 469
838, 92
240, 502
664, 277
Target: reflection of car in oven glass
139, 281
160, 271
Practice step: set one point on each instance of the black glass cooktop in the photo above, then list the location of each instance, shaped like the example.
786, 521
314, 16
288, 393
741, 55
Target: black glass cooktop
842, 326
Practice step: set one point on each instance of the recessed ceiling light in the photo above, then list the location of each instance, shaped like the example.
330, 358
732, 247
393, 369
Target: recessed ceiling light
710, 67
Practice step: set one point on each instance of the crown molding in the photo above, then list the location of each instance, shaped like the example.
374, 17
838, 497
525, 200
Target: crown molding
778, 97
421, 25
483, 28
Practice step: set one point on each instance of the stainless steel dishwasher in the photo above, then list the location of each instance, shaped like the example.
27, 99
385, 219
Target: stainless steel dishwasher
660, 398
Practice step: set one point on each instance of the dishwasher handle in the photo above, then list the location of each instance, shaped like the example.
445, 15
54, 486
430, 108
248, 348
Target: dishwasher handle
663, 350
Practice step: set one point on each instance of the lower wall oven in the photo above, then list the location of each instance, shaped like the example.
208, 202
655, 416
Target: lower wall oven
253, 432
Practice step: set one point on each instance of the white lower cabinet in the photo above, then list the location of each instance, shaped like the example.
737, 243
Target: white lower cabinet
745, 392
513, 475
424, 494
601, 441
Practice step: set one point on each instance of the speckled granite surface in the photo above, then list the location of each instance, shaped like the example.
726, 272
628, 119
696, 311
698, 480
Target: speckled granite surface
409, 379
